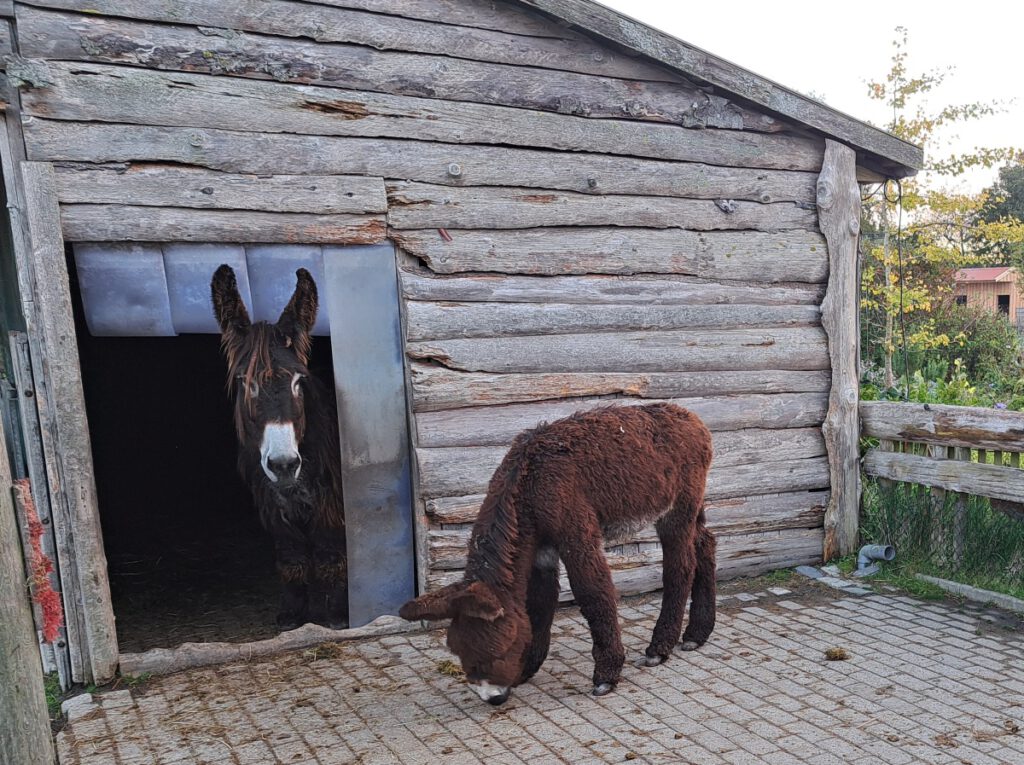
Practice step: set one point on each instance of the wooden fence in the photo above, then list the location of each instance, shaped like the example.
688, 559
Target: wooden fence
968, 450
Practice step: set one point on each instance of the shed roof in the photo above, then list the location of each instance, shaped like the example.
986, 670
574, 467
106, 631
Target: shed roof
876, 149
974, 275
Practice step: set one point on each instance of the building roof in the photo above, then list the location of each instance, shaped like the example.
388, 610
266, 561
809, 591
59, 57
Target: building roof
876, 149
974, 275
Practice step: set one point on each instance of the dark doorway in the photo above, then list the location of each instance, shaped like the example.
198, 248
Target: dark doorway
1003, 304
187, 558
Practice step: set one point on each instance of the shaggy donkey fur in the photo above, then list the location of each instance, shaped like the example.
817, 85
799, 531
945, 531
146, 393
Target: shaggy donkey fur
288, 448
565, 490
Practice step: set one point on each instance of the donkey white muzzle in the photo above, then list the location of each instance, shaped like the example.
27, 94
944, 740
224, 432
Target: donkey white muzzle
279, 453
492, 694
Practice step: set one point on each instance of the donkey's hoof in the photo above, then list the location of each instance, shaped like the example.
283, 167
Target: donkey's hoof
603, 689
689, 645
654, 661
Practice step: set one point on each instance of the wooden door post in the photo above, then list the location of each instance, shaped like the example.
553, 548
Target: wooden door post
24, 722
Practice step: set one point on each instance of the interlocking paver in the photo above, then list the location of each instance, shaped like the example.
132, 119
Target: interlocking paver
923, 684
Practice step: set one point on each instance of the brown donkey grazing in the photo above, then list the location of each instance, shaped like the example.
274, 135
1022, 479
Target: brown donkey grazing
288, 448
565, 490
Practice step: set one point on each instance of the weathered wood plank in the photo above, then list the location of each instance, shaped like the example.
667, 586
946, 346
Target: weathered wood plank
438, 321
739, 555
962, 426
790, 256
498, 425
52, 297
283, 154
25, 736
62, 577
464, 470
325, 24
97, 92
421, 205
163, 186
891, 155
63, 36
610, 289
665, 351
839, 208
446, 548
738, 515
104, 223
435, 388
983, 480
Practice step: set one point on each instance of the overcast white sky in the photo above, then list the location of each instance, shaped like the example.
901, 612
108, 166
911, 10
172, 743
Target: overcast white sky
809, 47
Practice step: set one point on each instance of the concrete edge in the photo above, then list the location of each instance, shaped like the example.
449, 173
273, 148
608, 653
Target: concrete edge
976, 594
164, 661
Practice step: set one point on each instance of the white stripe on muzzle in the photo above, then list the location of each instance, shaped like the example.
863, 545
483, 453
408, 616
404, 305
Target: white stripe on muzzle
486, 691
279, 443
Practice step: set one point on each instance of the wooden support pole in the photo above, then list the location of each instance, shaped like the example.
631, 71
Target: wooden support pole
839, 219
61, 371
24, 723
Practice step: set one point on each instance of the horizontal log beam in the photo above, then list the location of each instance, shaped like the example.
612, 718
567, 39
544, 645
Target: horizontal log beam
113, 223
741, 555
436, 388
637, 290
384, 29
419, 205
737, 515
461, 471
665, 351
499, 425
983, 480
964, 426
244, 151
439, 321
62, 36
789, 256
163, 186
103, 93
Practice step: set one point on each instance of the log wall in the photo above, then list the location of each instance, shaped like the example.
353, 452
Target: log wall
578, 226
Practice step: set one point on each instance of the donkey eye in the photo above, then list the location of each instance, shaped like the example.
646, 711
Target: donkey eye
296, 379
252, 388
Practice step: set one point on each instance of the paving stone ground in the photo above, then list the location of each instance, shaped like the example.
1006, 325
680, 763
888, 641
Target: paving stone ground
924, 683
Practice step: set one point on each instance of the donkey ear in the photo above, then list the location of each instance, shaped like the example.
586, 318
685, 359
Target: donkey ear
299, 316
432, 606
479, 601
227, 302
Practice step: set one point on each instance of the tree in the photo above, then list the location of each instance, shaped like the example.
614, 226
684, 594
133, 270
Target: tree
941, 231
1000, 219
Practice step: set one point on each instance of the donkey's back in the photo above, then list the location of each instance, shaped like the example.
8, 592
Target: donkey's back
622, 467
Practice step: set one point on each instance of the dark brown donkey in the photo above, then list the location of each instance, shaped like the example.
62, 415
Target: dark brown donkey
565, 490
288, 448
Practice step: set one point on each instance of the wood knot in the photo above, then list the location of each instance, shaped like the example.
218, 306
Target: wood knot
826, 194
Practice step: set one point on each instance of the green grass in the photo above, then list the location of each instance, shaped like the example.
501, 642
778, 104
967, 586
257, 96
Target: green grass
962, 539
53, 694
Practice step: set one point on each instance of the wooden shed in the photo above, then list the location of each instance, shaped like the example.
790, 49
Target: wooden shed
514, 210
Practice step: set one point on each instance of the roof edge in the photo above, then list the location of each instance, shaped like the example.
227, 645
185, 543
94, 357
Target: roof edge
891, 155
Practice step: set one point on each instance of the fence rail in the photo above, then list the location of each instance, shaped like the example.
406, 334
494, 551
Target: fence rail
967, 450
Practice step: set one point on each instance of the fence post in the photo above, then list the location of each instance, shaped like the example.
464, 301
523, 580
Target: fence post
25, 737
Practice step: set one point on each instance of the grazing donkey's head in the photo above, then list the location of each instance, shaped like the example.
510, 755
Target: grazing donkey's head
490, 639
266, 369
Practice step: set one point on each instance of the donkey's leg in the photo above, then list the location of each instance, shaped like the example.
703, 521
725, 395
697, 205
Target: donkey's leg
702, 605
328, 591
676, 533
591, 582
295, 570
541, 601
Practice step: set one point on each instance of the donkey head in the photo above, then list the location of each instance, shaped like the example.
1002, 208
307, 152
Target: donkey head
489, 639
266, 369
